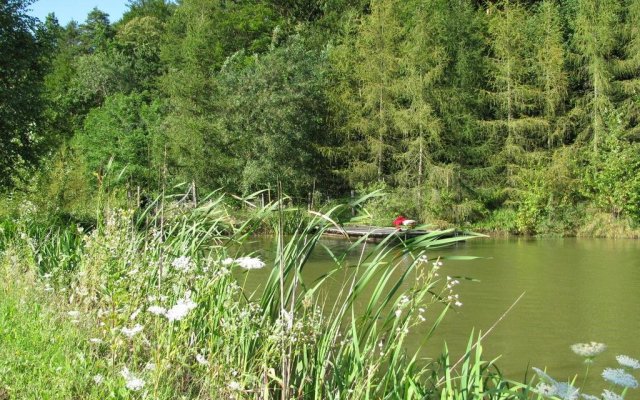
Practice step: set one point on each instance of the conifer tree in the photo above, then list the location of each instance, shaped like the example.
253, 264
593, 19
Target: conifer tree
377, 76
628, 73
424, 60
597, 32
551, 74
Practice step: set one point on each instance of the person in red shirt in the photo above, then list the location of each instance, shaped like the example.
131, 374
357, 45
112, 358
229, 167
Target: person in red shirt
402, 222
398, 221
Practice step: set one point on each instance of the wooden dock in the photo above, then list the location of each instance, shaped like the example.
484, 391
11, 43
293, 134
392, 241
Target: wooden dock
379, 233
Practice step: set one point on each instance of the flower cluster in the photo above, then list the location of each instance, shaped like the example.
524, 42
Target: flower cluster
619, 376
549, 387
132, 382
131, 332
629, 362
453, 297
247, 263
181, 309
588, 350
182, 264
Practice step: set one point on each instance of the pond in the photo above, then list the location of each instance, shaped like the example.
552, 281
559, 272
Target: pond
576, 290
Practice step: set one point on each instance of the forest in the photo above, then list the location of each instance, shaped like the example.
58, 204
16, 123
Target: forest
514, 116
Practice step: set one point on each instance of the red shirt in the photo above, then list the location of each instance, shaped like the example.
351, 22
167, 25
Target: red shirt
398, 221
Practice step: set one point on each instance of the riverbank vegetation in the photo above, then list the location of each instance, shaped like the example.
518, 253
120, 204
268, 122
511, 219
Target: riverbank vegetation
517, 116
156, 306
123, 312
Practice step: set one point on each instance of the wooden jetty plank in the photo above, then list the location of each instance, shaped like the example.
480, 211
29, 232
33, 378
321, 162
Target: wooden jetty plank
376, 232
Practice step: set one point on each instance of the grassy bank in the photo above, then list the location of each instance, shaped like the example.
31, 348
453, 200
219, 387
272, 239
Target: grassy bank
146, 305
42, 353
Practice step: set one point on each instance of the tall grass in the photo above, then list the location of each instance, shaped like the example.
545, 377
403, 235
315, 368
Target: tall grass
153, 295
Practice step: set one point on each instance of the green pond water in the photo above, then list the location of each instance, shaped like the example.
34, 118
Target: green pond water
577, 290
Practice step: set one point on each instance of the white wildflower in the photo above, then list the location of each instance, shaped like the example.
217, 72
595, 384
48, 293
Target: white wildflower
132, 382
545, 389
201, 359
588, 350
181, 309
95, 340
227, 261
250, 263
287, 318
98, 379
234, 386
131, 332
627, 361
566, 391
150, 366
458, 304
157, 310
182, 264
609, 395
73, 314
398, 313
546, 378
620, 377
135, 314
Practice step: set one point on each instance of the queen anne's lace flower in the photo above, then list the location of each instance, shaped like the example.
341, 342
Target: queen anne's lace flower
157, 310
609, 395
545, 389
546, 378
566, 391
131, 332
619, 377
228, 261
182, 263
181, 309
132, 382
627, 361
588, 350
250, 263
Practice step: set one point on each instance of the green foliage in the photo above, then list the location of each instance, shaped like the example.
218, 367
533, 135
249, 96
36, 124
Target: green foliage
96, 32
462, 110
119, 133
613, 179
22, 68
274, 118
